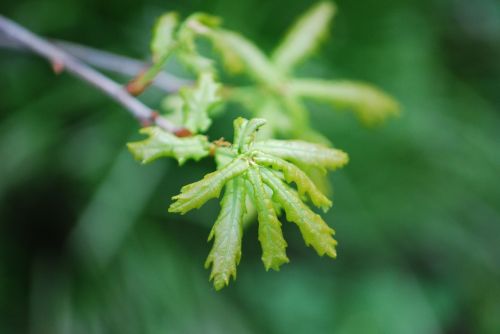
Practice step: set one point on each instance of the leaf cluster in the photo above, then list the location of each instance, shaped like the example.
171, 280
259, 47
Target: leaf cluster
275, 93
262, 171
265, 176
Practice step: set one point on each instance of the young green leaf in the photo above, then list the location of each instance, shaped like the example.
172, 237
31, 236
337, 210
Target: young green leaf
173, 38
163, 41
195, 25
194, 61
164, 144
227, 233
293, 173
163, 44
318, 176
253, 171
256, 62
313, 228
231, 59
198, 102
270, 234
371, 104
297, 113
272, 110
196, 194
172, 106
244, 132
300, 152
304, 36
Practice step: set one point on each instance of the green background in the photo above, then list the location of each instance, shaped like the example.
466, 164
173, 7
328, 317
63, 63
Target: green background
87, 245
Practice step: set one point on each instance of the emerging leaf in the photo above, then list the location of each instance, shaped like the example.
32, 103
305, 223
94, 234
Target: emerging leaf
196, 194
251, 171
304, 36
256, 174
293, 173
164, 144
304, 153
195, 62
298, 114
230, 57
244, 132
256, 62
313, 228
227, 231
319, 177
198, 102
270, 235
371, 104
195, 25
172, 106
171, 37
273, 111
163, 41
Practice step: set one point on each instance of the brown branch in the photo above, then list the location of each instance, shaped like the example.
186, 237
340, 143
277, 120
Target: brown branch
62, 60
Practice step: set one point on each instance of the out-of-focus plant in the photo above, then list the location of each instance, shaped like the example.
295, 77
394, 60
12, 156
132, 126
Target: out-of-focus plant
255, 169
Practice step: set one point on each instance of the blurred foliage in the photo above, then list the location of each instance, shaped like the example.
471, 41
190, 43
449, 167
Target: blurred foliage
87, 245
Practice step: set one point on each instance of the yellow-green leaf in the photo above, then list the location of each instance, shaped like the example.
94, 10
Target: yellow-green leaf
230, 57
305, 153
313, 228
272, 110
244, 132
199, 101
371, 104
194, 61
227, 233
164, 144
319, 177
163, 40
256, 62
304, 36
292, 173
270, 234
194, 195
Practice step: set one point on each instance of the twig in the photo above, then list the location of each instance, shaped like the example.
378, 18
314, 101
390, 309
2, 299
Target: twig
108, 61
121, 64
62, 60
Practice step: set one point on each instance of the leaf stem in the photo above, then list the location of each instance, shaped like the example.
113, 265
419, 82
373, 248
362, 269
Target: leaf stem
147, 76
62, 60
